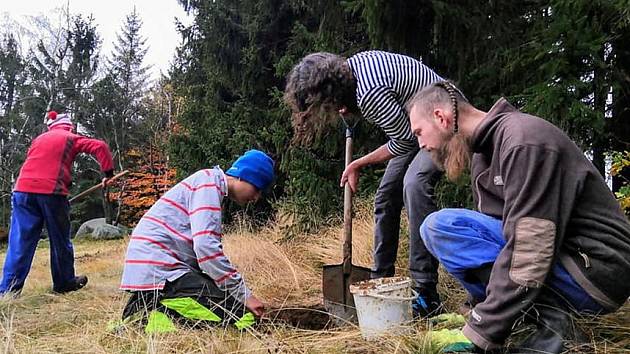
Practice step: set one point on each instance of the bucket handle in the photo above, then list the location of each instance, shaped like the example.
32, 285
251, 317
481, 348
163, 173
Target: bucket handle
382, 297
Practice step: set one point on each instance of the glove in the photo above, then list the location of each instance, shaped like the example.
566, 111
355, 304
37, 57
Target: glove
448, 320
450, 341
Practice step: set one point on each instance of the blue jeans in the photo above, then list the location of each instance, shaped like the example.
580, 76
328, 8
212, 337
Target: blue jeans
30, 212
464, 240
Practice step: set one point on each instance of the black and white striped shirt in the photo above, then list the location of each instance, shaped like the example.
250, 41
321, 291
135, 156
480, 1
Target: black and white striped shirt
385, 82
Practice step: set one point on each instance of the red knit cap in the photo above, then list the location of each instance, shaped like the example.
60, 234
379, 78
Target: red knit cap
55, 119
52, 115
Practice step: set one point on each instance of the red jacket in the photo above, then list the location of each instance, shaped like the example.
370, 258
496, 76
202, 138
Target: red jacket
48, 165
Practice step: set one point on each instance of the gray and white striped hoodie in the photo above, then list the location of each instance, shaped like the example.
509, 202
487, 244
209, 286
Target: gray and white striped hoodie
181, 233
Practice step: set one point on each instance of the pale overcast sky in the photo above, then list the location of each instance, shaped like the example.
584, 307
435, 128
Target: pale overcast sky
158, 22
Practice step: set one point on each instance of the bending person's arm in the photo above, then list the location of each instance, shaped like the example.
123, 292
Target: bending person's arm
381, 107
100, 150
351, 173
204, 210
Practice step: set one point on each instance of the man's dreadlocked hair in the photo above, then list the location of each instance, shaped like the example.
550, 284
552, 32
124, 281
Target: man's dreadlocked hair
316, 88
439, 93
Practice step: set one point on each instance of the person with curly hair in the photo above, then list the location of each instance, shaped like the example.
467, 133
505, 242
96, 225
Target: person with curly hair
376, 85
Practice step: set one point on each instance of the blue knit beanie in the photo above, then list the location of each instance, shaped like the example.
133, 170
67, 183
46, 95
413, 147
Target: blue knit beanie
254, 167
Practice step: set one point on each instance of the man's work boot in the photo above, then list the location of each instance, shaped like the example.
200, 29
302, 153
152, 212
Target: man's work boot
78, 283
480, 276
467, 306
428, 303
554, 325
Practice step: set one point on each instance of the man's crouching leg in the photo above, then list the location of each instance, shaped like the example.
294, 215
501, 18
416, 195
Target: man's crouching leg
466, 243
193, 300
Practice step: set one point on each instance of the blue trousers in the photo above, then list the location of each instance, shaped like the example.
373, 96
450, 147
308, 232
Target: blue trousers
464, 240
30, 212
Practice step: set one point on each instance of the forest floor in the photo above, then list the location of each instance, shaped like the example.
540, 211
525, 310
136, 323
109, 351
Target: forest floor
285, 274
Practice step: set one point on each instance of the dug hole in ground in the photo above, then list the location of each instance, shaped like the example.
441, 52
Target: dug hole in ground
285, 274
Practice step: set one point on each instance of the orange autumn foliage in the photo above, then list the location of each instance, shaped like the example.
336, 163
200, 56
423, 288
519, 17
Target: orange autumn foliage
143, 185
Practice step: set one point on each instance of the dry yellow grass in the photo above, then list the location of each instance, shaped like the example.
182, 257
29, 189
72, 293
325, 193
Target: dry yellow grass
284, 273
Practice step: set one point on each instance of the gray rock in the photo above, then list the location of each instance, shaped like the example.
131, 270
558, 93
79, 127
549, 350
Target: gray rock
107, 232
87, 228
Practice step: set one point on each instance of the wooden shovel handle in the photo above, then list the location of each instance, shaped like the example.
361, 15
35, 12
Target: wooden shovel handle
347, 210
93, 188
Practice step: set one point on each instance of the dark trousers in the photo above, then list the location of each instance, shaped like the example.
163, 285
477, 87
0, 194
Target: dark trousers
194, 285
409, 180
30, 212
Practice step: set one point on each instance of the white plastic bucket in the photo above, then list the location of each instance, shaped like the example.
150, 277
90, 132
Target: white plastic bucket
383, 305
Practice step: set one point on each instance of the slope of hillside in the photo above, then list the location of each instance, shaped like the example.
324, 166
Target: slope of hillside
285, 274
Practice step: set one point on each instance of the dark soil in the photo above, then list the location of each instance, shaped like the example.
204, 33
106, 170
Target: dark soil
311, 318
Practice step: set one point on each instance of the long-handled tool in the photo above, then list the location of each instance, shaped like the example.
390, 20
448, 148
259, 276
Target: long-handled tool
95, 187
336, 278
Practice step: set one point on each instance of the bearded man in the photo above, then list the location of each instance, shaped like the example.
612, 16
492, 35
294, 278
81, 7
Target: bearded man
548, 237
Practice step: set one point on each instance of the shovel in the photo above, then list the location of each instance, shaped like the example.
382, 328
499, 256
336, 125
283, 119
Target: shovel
95, 187
336, 278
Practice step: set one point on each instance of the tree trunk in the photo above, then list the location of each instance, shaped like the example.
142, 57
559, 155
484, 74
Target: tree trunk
600, 91
620, 121
119, 204
107, 208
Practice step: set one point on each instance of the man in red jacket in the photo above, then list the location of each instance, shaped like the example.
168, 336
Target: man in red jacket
39, 197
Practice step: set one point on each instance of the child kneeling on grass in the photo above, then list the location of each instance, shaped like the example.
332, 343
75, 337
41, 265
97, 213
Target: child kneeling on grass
175, 266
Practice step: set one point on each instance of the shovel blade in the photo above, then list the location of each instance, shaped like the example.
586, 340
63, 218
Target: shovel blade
338, 300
